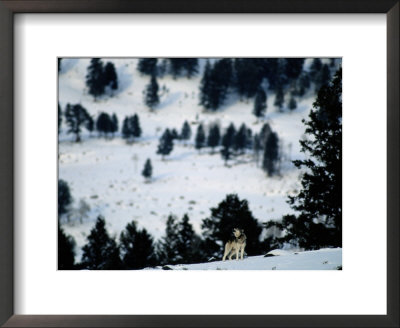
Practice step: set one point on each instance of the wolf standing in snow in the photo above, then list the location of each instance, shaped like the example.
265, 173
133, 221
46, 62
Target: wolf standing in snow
235, 245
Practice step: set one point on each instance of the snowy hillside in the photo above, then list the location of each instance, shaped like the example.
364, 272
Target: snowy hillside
323, 259
105, 177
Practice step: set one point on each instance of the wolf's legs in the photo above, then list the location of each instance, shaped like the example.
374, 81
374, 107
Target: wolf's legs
227, 251
237, 253
242, 248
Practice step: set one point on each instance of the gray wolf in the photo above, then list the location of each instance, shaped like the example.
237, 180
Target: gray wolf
235, 245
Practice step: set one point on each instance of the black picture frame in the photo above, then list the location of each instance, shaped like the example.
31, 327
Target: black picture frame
10, 7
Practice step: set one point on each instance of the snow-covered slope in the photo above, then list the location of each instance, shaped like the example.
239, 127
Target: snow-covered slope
106, 174
323, 259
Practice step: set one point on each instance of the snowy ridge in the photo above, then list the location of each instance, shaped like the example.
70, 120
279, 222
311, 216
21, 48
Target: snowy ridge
323, 259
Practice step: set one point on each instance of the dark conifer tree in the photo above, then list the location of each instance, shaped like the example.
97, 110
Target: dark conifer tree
114, 120
260, 103
227, 143
147, 66
188, 243
192, 67
205, 86
315, 69
292, 103
323, 78
110, 76
264, 134
200, 138
90, 124
101, 252
303, 84
231, 213
248, 76
240, 139
152, 99
167, 247
64, 197
136, 129
186, 132
279, 98
137, 248
104, 124
166, 144
95, 78
127, 128
319, 203
294, 67
66, 251
177, 66
271, 154
214, 137
76, 116
147, 170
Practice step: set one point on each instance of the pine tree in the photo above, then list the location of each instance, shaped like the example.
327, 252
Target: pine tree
227, 143
166, 144
240, 139
188, 243
200, 138
214, 137
136, 129
66, 251
167, 247
151, 98
104, 124
101, 252
320, 200
271, 154
279, 98
147, 170
264, 134
186, 132
294, 67
110, 76
114, 121
147, 66
126, 128
315, 69
231, 213
260, 103
205, 86
64, 197
75, 116
192, 67
248, 76
95, 78
292, 103
137, 248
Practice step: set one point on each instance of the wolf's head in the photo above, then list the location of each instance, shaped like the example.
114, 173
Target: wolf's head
237, 232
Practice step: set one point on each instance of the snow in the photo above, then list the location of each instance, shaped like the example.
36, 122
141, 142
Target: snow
323, 259
106, 175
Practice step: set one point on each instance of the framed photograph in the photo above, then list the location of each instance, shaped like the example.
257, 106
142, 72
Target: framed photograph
195, 172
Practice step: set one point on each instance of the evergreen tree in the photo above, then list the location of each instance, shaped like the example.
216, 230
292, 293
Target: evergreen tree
227, 143
64, 197
137, 248
188, 243
271, 154
147, 170
101, 252
294, 67
256, 148
303, 84
177, 66
315, 69
127, 128
186, 132
200, 138
110, 76
95, 78
167, 247
240, 139
104, 124
248, 76
214, 137
136, 129
323, 77
292, 103
75, 116
114, 121
152, 99
192, 67
231, 213
147, 66
279, 98
260, 103
205, 86
264, 134
89, 124
166, 144
320, 200
66, 251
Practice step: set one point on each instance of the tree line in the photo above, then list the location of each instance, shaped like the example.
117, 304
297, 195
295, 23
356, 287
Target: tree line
137, 249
